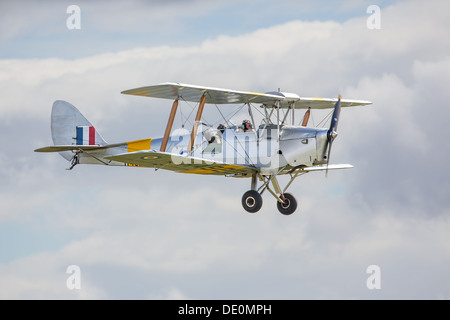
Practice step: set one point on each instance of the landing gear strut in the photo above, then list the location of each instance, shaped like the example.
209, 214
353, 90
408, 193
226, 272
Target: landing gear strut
286, 202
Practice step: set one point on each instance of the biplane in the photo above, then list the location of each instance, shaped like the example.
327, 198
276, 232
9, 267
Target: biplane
261, 151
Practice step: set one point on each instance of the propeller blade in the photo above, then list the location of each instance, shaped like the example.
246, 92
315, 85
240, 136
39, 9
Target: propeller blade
328, 160
332, 132
335, 117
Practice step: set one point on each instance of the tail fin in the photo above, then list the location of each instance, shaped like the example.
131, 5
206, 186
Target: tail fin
70, 127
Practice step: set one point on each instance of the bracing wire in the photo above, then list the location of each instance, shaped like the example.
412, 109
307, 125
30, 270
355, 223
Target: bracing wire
325, 119
183, 123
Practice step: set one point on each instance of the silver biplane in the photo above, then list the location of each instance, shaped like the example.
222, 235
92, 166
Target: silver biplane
263, 152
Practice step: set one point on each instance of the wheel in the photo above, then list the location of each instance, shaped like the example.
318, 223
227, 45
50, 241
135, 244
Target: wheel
289, 205
252, 201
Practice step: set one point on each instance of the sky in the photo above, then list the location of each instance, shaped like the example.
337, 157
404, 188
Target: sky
135, 233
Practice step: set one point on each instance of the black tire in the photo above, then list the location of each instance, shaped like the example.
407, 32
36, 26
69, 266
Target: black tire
289, 206
252, 201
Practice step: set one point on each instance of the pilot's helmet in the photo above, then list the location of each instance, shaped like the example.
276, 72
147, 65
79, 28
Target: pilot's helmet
243, 125
246, 125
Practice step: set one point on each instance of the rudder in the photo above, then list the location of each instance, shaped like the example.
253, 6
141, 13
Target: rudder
70, 127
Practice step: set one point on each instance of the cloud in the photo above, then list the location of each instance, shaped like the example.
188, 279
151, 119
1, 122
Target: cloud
136, 233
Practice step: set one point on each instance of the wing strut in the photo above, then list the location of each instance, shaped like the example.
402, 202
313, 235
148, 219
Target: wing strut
197, 121
306, 117
169, 126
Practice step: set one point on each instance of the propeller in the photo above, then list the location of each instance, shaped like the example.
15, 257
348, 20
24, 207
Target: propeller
332, 132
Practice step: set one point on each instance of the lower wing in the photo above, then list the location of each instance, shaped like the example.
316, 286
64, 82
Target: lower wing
325, 167
182, 164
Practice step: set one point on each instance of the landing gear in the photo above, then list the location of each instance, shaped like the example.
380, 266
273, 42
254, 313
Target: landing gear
286, 202
252, 201
288, 206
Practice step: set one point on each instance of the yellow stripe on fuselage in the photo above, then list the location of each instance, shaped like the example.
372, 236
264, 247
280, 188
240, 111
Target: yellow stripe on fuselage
139, 145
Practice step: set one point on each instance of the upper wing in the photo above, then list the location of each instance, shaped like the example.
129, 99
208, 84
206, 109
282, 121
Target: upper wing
289, 100
188, 92
193, 93
325, 103
178, 163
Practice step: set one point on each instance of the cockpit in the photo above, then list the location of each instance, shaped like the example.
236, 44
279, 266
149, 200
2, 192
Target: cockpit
214, 136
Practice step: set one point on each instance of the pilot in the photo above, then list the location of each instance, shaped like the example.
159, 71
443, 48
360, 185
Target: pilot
213, 135
221, 128
246, 125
